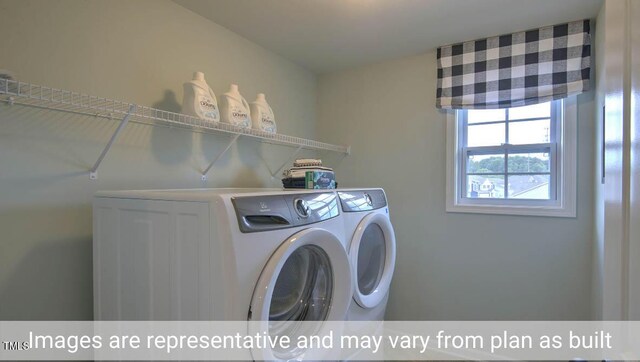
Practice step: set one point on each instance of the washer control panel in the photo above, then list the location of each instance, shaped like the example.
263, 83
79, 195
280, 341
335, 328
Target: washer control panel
272, 212
362, 200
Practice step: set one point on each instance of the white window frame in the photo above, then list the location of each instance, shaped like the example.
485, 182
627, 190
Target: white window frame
562, 158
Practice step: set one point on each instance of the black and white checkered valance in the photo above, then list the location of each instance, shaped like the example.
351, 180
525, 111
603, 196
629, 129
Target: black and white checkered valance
513, 70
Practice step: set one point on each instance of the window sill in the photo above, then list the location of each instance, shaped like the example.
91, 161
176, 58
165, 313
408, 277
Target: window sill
548, 211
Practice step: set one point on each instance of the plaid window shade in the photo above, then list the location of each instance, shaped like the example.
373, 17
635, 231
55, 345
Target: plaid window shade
513, 70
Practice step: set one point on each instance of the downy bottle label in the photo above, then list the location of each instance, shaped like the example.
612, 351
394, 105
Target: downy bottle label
208, 108
239, 116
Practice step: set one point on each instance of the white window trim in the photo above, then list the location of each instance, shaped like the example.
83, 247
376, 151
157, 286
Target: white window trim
564, 206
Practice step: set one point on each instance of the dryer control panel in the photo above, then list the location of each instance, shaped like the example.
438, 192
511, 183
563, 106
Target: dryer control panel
272, 212
362, 200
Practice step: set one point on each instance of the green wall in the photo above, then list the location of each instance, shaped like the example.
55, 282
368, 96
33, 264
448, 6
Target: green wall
450, 266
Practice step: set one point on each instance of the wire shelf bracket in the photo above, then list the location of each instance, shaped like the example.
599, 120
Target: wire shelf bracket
93, 173
291, 158
219, 156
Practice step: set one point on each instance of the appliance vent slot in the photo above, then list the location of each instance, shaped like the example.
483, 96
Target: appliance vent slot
265, 220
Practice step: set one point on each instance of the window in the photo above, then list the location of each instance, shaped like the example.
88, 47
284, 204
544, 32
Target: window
518, 161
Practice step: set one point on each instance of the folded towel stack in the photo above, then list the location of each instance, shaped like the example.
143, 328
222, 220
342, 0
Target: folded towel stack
308, 173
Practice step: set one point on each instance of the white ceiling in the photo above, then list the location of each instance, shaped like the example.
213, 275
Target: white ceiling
329, 35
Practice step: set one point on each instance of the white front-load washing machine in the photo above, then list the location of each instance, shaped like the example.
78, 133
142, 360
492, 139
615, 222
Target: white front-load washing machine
220, 254
371, 245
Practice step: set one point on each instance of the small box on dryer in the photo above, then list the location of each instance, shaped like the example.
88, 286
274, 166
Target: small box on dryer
320, 180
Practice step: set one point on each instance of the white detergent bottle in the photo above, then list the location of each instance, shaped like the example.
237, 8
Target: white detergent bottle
262, 115
235, 109
199, 99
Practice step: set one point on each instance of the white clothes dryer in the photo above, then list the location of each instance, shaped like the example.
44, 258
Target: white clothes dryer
371, 245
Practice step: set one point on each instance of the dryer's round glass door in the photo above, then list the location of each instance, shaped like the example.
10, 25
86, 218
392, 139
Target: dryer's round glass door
373, 254
371, 258
304, 287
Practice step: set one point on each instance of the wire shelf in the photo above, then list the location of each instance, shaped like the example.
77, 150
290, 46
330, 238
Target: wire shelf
38, 96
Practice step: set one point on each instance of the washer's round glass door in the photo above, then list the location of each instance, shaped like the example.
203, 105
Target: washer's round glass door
303, 281
304, 287
372, 254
